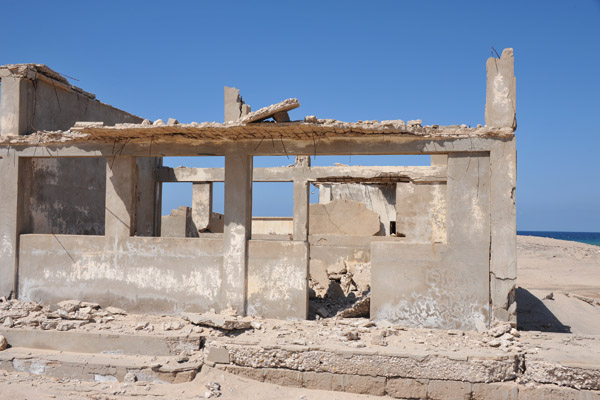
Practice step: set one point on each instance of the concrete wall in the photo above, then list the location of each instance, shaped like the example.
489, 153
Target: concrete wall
278, 279
440, 286
66, 197
376, 197
272, 225
136, 273
421, 211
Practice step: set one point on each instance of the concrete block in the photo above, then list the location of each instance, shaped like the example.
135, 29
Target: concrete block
343, 217
281, 116
501, 94
202, 205
217, 355
495, 391
402, 388
235, 108
448, 390
278, 279
301, 207
257, 374
283, 377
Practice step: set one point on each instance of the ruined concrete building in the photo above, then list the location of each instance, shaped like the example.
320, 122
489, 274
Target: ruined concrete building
81, 199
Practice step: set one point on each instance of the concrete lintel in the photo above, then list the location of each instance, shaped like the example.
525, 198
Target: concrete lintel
376, 145
14, 106
121, 177
237, 229
312, 174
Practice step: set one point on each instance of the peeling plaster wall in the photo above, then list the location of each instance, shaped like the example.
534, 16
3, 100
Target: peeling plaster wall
138, 274
278, 279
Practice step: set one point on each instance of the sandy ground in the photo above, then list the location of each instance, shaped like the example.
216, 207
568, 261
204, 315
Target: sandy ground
568, 270
559, 285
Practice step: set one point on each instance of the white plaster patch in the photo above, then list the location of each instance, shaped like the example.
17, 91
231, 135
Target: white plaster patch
441, 305
6, 248
36, 367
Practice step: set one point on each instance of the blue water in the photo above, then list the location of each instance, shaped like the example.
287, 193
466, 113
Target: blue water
583, 237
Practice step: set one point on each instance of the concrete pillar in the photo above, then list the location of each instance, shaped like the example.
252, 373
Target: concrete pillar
237, 229
10, 223
202, 194
121, 179
503, 257
235, 108
468, 231
324, 193
439, 160
301, 202
501, 94
15, 111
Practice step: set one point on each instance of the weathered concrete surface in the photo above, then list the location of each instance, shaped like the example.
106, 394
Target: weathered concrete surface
98, 367
343, 217
501, 93
37, 98
134, 273
278, 279
270, 111
379, 198
87, 342
121, 188
421, 212
202, 205
66, 196
272, 225
178, 223
235, 108
438, 286
237, 229
11, 221
503, 248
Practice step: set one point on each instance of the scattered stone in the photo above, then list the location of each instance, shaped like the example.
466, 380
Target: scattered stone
549, 296
414, 122
352, 335
480, 326
141, 325
311, 119
69, 305
515, 332
115, 311
360, 309
500, 330
158, 122
8, 322
146, 122
214, 390
172, 121
494, 343
379, 340
3, 343
130, 377
217, 321
255, 325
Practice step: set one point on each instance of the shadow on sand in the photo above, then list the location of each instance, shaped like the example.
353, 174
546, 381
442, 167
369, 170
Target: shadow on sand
533, 315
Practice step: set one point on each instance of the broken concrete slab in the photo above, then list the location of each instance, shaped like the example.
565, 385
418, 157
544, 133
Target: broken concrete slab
343, 217
270, 111
217, 321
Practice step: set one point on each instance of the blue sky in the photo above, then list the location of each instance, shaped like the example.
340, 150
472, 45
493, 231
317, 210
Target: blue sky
346, 60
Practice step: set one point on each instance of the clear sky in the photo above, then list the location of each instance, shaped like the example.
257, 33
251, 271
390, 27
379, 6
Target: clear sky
347, 60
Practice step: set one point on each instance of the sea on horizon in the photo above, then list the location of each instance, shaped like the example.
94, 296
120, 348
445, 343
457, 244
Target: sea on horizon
582, 237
